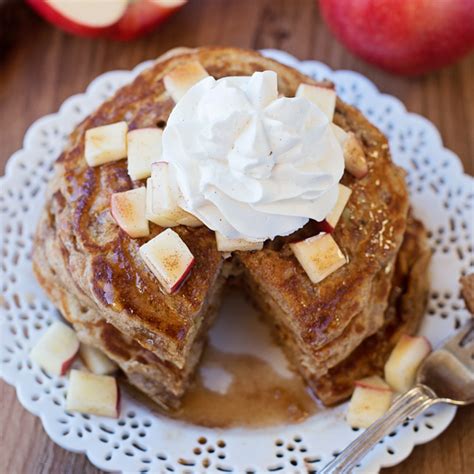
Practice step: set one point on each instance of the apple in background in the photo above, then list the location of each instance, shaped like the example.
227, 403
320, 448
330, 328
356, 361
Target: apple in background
372, 397
115, 19
405, 37
93, 394
56, 350
403, 363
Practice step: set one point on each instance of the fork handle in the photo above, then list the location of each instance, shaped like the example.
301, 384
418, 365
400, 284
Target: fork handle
408, 405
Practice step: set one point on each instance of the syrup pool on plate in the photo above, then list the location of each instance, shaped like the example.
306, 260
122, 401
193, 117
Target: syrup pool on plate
244, 379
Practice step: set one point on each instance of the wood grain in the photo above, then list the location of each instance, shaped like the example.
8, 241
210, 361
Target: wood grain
41, 66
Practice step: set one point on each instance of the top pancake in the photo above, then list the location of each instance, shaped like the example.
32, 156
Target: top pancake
103, 264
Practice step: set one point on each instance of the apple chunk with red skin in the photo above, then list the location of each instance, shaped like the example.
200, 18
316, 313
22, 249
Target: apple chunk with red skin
370, 400
169, 259
96, 361
116, 19
404, 361
319, 256
56, 350
128, 209
93, 394
230, 245
144, 148
183, 77
106, 143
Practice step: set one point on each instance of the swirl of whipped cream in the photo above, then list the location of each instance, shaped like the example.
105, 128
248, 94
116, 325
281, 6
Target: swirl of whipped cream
249, 164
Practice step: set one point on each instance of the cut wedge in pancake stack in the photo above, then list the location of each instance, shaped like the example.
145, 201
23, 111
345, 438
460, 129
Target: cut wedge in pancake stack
337, 323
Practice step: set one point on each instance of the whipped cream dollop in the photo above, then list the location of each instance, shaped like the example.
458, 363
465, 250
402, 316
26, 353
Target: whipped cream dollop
250, 164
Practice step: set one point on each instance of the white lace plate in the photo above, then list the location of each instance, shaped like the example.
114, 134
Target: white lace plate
143, 441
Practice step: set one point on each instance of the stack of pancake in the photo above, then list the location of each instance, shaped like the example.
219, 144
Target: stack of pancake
333, 332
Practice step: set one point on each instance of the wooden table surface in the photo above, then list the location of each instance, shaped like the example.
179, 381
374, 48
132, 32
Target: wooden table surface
40, 67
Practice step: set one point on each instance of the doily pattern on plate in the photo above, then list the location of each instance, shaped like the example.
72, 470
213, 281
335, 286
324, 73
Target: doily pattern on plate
141, 441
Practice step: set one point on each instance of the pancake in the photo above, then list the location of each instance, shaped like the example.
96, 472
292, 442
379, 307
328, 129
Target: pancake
405, 309
93, 273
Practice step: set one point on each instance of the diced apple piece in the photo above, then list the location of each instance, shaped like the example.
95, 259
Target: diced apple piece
144, 147
183, 77
96, 361
354, 157
157, 217
189, 220
229, 245
319, 256
128, 209
344, 194
93, 394
163, 197
106, 143
164, 205
56, 349
340, 134
371, 399
323, 97
403, 363
168, 258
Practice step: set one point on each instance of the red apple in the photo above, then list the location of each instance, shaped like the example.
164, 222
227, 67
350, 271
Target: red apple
116, 19
406, 37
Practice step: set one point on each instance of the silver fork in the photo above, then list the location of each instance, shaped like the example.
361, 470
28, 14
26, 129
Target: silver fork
446, 376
